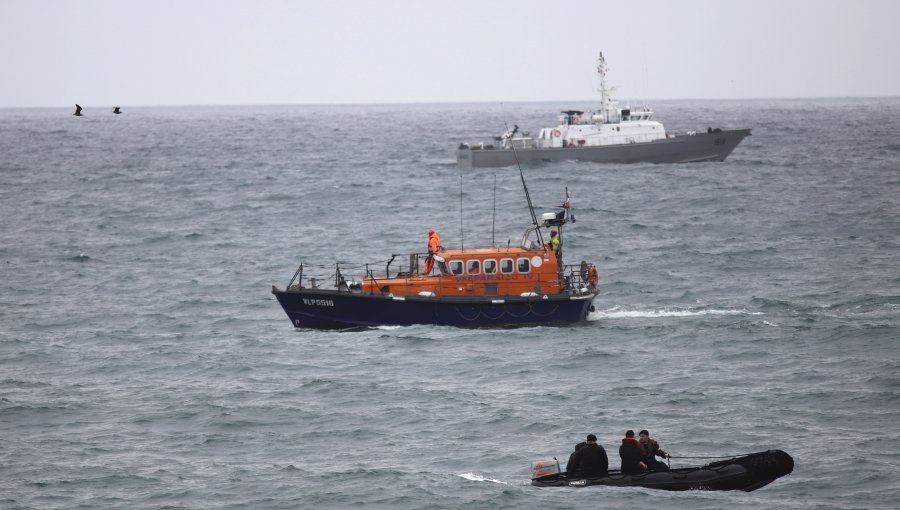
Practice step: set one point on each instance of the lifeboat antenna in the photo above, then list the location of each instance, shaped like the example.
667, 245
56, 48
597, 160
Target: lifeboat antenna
494, 214
462, 244
534, 220
530, 205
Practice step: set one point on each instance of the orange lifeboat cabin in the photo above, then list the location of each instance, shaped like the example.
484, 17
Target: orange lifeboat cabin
482, 272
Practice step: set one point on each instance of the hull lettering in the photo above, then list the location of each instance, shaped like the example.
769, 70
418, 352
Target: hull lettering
318, 302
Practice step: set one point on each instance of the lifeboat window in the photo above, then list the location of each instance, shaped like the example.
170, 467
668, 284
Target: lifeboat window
473, 267
490, 266
506, 266
456, 267
524, 266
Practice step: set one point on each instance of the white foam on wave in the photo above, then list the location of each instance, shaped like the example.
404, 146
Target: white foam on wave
478, 478
618, 313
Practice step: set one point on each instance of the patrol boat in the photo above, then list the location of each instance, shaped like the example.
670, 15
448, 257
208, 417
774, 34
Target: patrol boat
491, 286
609, 135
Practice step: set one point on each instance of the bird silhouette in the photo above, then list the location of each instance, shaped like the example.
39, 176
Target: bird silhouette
116, 110
77, 110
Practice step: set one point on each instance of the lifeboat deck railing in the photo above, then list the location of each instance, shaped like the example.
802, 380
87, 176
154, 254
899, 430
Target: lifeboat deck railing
575, 277
345, 274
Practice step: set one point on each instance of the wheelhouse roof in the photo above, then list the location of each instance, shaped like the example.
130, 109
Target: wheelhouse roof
512, 250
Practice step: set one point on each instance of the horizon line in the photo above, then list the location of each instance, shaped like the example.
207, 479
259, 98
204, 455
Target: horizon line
413, 103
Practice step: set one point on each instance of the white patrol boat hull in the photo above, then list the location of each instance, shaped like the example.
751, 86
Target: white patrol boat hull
715, 146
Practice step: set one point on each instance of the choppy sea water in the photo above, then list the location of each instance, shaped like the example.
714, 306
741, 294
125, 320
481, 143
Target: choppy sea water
144, 363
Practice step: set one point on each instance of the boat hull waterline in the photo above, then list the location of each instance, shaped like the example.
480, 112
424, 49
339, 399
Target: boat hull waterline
698, 147
746, 473
334, 309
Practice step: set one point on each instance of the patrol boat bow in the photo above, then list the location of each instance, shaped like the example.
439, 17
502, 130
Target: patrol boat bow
610, 135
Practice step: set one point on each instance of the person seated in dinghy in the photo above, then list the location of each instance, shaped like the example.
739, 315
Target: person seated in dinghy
632, 455
570, 466
588, 460
651, 450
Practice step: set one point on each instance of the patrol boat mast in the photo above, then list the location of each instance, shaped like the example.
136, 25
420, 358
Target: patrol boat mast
607, 110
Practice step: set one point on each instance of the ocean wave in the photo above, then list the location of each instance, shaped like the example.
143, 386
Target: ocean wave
618, 313
480, 478
868, 304
19, 383
873, 306
439, 163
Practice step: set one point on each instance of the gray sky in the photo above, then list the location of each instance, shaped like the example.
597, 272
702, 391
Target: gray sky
166, 52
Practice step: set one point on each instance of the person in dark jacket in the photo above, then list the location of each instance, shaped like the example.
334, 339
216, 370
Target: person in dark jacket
570, 466
588, 460
632, 455
650, 448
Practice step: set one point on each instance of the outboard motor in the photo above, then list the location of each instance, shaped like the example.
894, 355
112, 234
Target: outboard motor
541, 468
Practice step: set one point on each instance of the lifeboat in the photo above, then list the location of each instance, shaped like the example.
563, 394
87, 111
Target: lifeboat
488, 286
744, 472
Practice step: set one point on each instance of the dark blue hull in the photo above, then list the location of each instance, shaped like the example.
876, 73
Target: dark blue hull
331, 309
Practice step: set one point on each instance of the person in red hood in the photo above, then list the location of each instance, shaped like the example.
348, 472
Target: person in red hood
632, 455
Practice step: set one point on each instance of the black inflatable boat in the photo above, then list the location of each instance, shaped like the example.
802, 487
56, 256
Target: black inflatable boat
746, 472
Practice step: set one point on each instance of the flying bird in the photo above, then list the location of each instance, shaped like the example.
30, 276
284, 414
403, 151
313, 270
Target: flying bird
77, 110
116, 110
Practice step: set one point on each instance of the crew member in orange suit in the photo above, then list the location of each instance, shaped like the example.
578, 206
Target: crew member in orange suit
434, 245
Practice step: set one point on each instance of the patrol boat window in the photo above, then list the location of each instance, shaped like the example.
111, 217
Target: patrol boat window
506, 266
456, 267
524, 266
490, 266
473, 267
